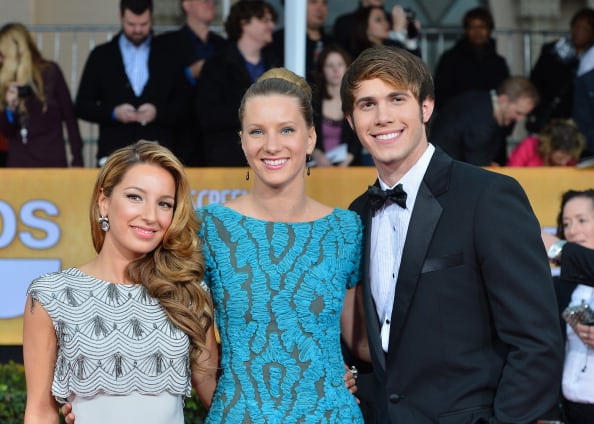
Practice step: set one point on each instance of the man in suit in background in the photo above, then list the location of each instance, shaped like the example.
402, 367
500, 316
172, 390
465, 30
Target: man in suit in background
189, 48
473, 126
129, 87
458, 293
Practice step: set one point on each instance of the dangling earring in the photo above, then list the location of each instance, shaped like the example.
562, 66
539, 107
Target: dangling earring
104, 223
247, 175
307, 161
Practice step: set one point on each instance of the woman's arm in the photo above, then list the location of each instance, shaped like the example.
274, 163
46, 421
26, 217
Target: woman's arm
39, 353
352, 320
205, 381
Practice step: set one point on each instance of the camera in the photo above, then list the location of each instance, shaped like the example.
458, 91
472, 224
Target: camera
411, 28
410, 14
24, 90
582, 314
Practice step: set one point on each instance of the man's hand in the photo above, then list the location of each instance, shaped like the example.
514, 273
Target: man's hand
350, 379
399, 22
196, 68
67, 412
125, 113
146, 113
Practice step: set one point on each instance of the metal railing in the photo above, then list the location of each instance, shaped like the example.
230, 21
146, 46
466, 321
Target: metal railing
70, 45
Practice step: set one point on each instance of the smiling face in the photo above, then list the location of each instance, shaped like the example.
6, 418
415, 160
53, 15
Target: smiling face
390, 124
140, 210
578, 221
276, 139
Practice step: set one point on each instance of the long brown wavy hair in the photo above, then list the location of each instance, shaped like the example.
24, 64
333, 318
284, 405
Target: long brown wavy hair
22, 62
173, 271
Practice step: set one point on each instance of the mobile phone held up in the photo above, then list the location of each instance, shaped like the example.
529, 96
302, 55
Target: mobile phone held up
24, 91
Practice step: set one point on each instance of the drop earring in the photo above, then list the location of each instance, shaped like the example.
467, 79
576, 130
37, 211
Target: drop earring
104, 223
247, 175
307, 161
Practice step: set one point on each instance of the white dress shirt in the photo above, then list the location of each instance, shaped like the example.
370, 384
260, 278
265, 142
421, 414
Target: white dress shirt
578, 370
389, 226
136, 62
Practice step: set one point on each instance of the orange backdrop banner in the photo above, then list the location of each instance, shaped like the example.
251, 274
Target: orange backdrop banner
44, 215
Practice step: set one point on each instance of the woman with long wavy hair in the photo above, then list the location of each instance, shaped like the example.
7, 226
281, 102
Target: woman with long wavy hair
124, 337
35, 103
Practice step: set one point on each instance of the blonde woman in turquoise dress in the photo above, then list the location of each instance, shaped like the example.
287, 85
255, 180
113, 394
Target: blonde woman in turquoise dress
282, 269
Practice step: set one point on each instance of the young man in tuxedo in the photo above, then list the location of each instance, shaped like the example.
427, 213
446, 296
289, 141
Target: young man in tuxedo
458, 293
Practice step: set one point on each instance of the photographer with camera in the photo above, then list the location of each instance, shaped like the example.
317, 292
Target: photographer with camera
34, 103
575, 298
402, 28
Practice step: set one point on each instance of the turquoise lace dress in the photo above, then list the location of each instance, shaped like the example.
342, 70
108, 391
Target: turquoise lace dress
278, 290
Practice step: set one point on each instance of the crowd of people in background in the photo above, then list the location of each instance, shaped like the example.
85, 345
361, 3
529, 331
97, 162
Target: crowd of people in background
182, 88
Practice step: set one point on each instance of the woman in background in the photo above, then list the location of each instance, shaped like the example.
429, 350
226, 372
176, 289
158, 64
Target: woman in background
34, 104
334, 134
575, 224
560, 143
372, 28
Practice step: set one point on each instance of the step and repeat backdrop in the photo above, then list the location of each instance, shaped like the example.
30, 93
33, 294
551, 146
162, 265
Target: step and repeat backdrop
44, 215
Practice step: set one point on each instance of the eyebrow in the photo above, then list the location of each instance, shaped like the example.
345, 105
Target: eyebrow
249, 125
389, 95
165, 196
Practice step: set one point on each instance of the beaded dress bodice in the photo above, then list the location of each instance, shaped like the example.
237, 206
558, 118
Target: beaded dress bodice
112, 338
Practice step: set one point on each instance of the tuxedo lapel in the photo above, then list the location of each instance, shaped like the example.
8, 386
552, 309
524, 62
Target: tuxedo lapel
424, 220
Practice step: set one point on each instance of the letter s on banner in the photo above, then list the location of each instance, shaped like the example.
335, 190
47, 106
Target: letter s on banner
51, 229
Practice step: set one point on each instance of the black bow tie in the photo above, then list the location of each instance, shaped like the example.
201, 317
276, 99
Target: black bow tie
378, 197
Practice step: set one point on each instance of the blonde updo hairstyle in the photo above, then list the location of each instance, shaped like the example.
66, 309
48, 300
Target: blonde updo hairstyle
283, 82
173, 271
22, 62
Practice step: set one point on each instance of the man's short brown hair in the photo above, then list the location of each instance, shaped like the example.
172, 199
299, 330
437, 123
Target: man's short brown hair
394, 66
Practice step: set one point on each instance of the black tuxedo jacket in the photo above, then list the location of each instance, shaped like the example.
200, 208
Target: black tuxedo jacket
105, 85
475, 336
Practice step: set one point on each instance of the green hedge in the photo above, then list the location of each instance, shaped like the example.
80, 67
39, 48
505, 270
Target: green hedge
13, 393
13, 396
